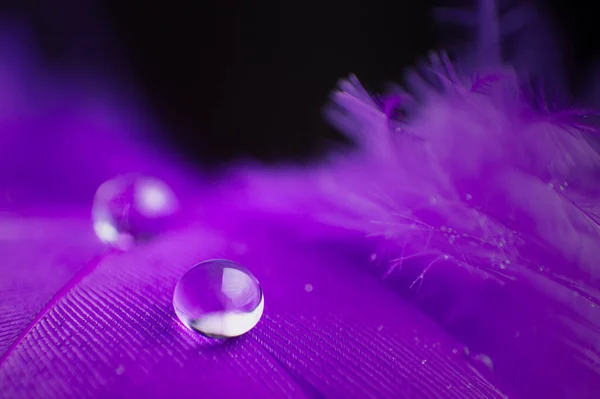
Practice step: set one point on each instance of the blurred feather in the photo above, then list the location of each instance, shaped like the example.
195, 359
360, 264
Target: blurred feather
490, 172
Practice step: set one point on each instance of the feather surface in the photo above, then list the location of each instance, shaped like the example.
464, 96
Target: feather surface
480, 214
110, 329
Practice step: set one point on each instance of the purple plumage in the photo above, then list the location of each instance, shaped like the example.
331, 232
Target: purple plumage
484, 196
451, 254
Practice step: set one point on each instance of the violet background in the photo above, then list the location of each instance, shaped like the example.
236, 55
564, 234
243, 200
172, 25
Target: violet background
79, 320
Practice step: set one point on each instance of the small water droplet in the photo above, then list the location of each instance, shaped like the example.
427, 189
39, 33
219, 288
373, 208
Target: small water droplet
550, 186
308, 288
454, 351
468, 197
132, 207
443, 228
424, 361
219, 298
432, 200
120, 370
373, 257
484, 360
380, 328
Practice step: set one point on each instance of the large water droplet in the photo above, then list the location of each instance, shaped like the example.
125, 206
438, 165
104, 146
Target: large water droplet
131, 207
219, 299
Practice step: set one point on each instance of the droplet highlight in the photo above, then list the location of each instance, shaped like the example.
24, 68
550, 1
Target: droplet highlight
132, 207
219, 299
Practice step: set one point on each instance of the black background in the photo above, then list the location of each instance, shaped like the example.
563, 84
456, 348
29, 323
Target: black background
249, 78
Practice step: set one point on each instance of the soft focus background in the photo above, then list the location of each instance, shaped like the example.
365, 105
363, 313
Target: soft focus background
249, 78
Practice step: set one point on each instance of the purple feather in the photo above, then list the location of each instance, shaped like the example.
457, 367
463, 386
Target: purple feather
450, 255
485, 181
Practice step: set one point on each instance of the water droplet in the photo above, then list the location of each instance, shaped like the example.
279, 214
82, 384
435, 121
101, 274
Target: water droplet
432, 200
120, 370
424, 361
469, 197
219, 298
484, 360
308, 288
379, 328
131, 207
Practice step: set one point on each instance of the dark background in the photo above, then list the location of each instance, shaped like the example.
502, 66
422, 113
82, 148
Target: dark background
249, 78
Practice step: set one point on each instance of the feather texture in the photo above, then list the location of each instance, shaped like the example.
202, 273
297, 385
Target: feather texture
110, 331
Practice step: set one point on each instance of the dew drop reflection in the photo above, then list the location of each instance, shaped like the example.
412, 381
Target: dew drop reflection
130, 207
219, 299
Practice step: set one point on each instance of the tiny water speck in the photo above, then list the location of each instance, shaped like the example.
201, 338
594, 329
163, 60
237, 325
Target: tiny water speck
131, 207
308, 288
484, 360
219, 299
